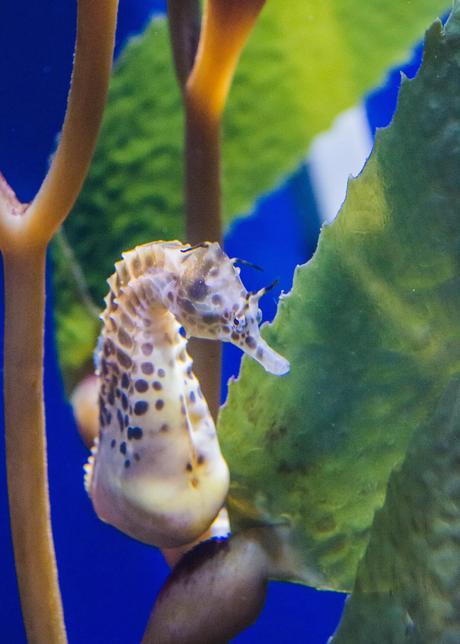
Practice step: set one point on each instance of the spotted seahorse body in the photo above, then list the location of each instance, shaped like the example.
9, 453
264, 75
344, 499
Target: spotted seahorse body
156, 471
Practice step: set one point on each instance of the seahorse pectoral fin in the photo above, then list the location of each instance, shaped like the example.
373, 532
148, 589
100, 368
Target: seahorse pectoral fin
270, 360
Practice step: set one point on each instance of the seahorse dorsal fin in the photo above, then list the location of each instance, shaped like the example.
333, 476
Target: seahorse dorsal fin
89, 465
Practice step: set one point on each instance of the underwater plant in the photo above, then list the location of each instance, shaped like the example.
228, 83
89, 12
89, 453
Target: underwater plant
342, 473
25, 231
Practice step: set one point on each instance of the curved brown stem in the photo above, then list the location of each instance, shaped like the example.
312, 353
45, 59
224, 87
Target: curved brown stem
88, 91
24, 236
26, 447
226, 27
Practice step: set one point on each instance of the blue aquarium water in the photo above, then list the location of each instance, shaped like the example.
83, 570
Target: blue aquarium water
109, 582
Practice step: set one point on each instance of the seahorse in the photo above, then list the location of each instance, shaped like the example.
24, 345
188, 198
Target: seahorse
156, 471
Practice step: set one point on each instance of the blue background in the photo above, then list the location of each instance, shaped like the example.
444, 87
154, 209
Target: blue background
109, 582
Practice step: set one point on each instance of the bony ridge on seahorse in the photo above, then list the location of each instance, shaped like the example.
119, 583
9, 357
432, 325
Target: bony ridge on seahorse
156, 471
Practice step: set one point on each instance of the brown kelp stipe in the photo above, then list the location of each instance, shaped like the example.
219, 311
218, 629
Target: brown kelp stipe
25, 232
225, 29
184, 20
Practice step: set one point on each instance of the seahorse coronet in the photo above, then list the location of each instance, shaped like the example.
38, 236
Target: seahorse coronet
156, 471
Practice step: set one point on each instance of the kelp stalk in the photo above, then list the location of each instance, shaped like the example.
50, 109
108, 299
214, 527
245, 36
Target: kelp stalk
184, 21
24, 236
226, 27
26, 446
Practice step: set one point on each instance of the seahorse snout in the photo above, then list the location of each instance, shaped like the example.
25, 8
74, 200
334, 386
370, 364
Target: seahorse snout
270, 360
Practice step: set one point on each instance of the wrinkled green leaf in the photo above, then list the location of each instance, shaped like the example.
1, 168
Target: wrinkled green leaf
407, 588
371, 331
133, 190
76, 317
305, 62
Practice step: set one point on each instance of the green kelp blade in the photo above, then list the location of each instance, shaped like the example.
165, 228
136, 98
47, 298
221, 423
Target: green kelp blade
407, 588
305, 62
371, 329
133, 193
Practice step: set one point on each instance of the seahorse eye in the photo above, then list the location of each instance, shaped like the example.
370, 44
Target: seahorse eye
239, 322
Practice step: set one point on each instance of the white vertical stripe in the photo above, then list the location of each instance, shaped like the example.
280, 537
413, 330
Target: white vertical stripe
337, 154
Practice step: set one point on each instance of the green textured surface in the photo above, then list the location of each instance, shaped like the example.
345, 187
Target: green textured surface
407, 588
133, 190
304, 64
371, 331
76, 327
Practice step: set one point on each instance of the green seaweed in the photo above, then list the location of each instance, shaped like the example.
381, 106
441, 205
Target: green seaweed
371, 331
407, 583
305, 63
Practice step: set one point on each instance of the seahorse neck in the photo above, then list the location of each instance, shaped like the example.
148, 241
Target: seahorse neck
158, 337
155, 324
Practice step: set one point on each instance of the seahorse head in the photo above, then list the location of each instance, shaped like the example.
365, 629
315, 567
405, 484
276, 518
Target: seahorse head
213, 303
